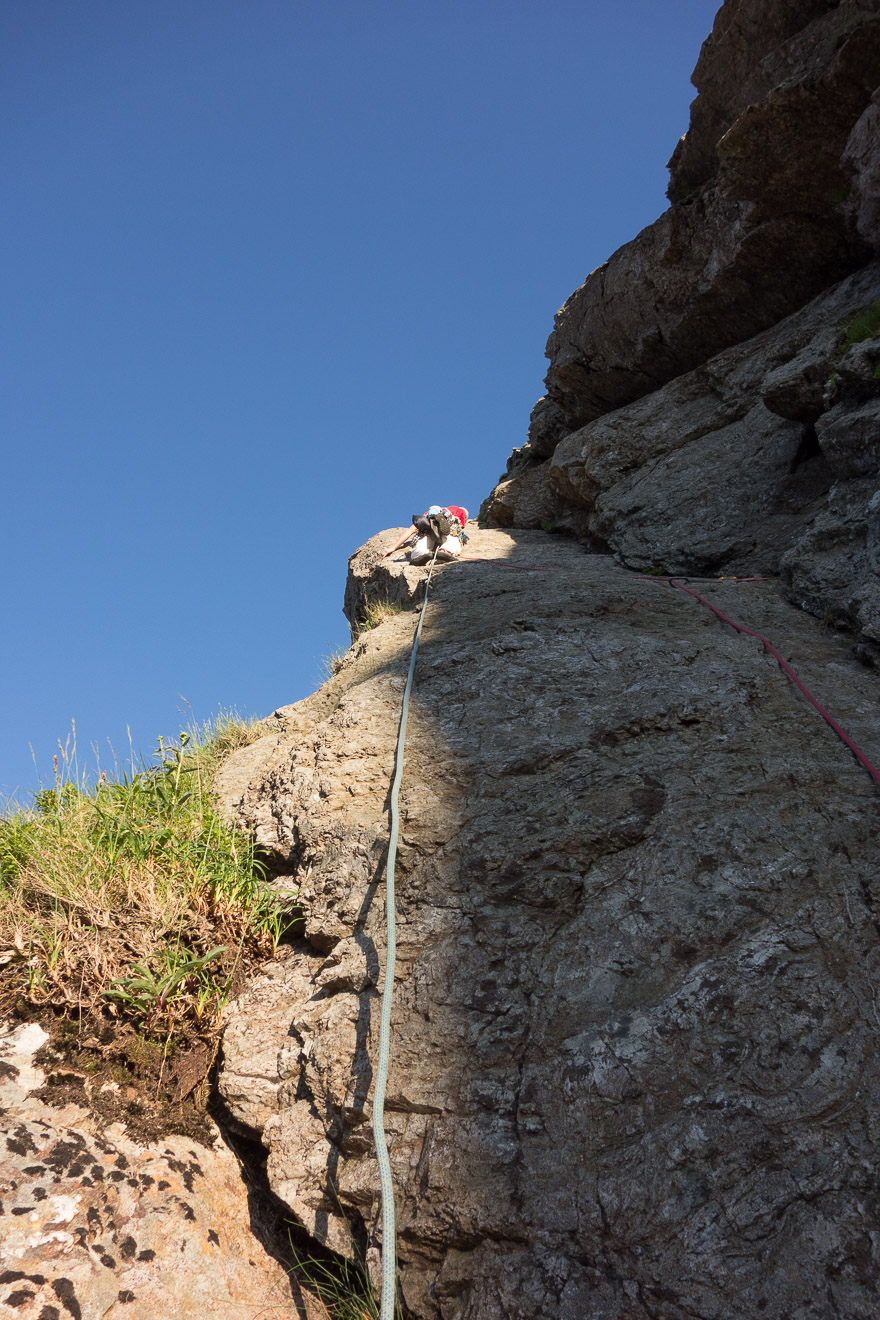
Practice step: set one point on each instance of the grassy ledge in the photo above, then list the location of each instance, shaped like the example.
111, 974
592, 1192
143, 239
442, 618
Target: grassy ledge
130, 912
864, 325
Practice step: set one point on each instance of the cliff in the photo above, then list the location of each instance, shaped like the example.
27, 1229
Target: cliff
713, 397
634, 1067
634, 1062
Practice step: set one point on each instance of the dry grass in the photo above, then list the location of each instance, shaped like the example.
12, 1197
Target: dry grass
331, 663
376, 612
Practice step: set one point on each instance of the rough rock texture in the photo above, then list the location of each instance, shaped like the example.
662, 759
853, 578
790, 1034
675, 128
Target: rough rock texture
697, 412
634, 1068
94, 1224
763, 459
762, 220
862, 160
742, 60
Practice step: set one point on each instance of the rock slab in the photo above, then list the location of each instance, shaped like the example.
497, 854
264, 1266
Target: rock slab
634, 1069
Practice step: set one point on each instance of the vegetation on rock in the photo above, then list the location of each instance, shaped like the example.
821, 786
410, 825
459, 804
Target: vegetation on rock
863, 326
130, 911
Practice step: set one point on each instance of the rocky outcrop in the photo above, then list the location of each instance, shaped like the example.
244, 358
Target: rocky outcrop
762, 460
95, 1224
706, 408
862, 162
763, 215
634, 1067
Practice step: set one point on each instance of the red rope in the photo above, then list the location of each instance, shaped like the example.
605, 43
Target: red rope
841, 733
660, 577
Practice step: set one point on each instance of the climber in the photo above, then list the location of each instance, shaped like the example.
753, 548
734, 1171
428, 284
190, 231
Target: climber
440, 527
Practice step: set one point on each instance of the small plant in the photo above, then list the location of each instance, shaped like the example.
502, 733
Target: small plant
331, 663
342, 1290
549, 525
865, 325
143, 991
376, 612
341, 1287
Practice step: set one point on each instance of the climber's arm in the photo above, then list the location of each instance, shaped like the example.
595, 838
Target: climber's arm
400, 541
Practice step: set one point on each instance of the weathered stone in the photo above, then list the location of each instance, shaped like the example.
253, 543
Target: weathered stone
371, 579
827, 567
94, 1223
633, 1064
529, 499
742, 59
796, 389
773, 204
850, 439
862, 159
726, 468
547, 426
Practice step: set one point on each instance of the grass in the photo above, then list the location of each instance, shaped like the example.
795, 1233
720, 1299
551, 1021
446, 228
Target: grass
331, 663
864, 325
131, 898
376, 612
341, 1287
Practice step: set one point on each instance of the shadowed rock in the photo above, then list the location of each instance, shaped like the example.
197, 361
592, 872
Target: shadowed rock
633, 1067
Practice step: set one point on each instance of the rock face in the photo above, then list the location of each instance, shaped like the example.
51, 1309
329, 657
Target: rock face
634, 1069
94, 1223
710, 407
764, 214
762, 460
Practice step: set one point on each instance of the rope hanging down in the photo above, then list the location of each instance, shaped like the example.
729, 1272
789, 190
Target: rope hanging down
389, 1228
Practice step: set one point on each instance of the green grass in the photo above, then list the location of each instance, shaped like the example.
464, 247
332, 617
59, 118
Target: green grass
340, 1286
131, 896
865, 325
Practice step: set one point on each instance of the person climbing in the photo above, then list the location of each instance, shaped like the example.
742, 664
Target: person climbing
440, 527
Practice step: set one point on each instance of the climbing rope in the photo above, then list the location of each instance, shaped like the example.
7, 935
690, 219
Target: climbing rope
389, 1228
786, 667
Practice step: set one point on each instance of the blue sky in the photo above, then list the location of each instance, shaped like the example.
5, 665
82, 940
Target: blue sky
274, 276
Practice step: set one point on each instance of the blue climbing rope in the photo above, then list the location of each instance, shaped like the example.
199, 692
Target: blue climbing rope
389, 1228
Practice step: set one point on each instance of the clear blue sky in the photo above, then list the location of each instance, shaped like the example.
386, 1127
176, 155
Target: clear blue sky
276, 274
